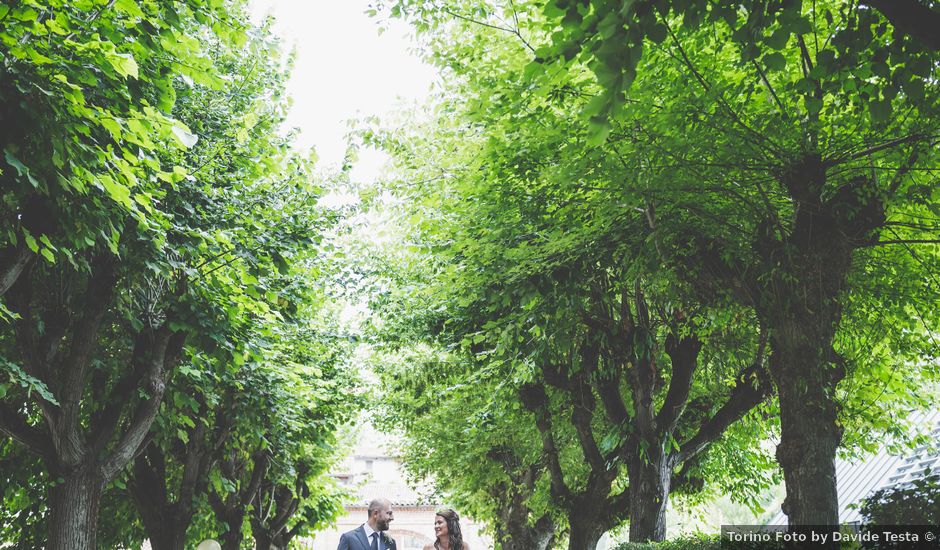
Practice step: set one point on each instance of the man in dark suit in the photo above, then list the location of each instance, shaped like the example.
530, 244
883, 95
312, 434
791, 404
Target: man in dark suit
371, 534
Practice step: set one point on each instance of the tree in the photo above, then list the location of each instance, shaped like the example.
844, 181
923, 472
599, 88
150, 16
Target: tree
536, 293
157, 248
283, 511
465, 430
810, 151
739, 192
272, 471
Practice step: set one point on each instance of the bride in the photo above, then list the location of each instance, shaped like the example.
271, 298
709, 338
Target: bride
447, 532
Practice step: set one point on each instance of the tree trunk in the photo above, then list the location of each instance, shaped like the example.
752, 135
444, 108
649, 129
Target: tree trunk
166, 529
803, 278
584, 533
806, 383
263, 540
517, 534
73, 511
173, 537
513, 530
650, 479
13, 261
166, 522
232, 538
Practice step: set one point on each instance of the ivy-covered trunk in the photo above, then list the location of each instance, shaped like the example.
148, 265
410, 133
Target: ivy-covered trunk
73, 510
650, 478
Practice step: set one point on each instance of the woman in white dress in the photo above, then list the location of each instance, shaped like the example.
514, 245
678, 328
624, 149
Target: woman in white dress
447, 532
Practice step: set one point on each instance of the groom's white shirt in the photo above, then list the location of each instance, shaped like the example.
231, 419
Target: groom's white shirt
369, 530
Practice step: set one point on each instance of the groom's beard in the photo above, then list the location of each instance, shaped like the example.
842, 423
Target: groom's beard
382, 525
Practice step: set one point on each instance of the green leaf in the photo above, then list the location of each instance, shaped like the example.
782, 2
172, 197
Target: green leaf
123, 63
657, 33
775, 61
11, 159
880, 110
116, 190
598, 130
778, 40
111, 125
184, 136
30, 241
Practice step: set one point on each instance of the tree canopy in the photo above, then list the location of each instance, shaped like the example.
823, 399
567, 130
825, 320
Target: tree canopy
771, 165
164, 329
625, 247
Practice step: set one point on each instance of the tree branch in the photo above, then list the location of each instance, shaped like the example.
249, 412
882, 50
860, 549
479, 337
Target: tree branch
903, 170
829, 163
13, 260
262, 460
31, 437
534, 398
912, 18
708, 89
684, 355
37, 351
752, 387
581, 414
194, 464
491, 26
770, 88
164, 354
902, 241
74, 367
104, 423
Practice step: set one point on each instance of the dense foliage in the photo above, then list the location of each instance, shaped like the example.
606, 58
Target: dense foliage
629, 243
602, 176
917, 503
163, 331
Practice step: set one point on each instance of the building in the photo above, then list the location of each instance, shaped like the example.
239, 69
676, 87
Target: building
374, 471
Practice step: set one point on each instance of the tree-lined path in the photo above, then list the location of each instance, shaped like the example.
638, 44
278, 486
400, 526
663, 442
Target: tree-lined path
628, 252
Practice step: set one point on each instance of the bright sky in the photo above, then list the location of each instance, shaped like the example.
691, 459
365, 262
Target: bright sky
344, 70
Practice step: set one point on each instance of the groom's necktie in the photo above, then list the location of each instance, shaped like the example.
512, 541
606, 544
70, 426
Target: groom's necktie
375, 541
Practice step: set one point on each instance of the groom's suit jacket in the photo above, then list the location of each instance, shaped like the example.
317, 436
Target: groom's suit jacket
357, 540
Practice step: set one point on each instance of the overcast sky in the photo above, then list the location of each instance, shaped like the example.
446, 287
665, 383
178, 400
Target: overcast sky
344, 70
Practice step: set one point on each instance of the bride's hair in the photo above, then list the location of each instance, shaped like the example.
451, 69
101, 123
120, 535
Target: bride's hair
453, 529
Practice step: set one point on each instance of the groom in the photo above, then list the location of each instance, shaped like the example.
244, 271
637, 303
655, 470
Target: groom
371, 534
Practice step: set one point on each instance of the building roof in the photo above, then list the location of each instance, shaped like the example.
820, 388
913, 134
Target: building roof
396, 492
373, 470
